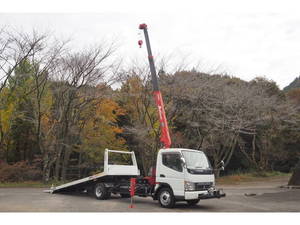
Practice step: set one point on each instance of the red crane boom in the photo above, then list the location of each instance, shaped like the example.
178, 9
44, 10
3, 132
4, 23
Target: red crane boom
165, 136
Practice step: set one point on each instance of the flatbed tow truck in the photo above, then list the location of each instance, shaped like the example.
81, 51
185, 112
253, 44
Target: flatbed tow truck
180, 174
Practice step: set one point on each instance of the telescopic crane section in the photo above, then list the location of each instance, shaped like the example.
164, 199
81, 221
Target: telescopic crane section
165, 136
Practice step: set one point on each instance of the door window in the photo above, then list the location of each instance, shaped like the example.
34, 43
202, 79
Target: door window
172, 161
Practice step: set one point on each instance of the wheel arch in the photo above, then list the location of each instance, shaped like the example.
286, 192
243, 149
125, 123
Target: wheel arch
161, 185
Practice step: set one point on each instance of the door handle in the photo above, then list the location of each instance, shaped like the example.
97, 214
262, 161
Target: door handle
162, 175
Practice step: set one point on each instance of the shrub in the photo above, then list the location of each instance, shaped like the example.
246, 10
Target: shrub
19, 172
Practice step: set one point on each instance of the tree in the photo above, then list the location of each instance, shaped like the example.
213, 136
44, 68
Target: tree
73, 90
15, 47
22, 128
44, 61
100, 129
295, 178
141, 123
220, 114
6, 115
294, 95
207, 111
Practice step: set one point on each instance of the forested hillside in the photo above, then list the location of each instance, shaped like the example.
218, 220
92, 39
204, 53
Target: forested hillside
58, 113
293, 85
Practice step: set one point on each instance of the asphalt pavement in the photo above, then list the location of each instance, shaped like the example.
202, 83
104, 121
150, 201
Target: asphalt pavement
248, 197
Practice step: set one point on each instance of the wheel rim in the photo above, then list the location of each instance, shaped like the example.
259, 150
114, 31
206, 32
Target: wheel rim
98, 191
165, 198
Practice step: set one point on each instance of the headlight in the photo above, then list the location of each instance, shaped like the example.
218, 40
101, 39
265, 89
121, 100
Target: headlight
189, 186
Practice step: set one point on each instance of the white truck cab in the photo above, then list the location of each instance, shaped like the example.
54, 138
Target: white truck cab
184, 175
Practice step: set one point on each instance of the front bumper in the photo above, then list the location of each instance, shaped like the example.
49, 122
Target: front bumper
212, 193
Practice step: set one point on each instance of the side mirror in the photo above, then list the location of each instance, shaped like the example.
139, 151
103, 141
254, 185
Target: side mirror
222, 165
183, 162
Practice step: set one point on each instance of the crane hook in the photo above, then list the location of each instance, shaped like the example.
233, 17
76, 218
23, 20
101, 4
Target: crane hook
140, 42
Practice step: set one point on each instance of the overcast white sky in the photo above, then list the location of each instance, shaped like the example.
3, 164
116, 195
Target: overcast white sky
243, 38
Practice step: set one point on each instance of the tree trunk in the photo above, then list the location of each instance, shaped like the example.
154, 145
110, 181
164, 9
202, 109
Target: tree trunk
65, 163
216, 161
48, 162
79, 165
46, 171
57, 163
217, 172
295, 178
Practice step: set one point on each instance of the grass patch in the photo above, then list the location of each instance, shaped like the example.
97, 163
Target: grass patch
29, 184
250, 177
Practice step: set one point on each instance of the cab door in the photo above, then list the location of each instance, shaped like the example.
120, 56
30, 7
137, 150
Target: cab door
170, 171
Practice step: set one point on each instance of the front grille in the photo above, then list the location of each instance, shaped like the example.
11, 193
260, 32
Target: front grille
203, 186
200, 171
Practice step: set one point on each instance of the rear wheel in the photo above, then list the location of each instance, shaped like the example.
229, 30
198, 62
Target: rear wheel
193, 202
166, 198
101, 192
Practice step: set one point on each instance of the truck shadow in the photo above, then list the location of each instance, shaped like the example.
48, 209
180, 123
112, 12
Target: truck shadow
143, 203
199, 206
179, 206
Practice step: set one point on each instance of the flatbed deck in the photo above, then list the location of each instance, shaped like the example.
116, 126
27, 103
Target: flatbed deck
109, 170
76, 183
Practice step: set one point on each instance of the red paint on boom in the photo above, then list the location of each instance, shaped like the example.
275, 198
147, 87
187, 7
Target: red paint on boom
165, 136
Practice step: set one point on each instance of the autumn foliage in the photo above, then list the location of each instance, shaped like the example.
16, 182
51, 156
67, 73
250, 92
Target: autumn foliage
60, 109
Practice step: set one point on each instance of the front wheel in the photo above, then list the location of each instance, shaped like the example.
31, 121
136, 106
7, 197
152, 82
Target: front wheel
166, 198
101, 192
193, 202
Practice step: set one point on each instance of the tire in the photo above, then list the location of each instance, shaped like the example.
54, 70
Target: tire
193, 202
166, 198
100, 191
124, 195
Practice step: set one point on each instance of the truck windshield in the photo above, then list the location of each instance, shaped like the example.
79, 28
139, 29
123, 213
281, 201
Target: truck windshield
196, 160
